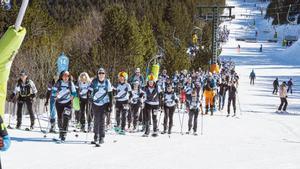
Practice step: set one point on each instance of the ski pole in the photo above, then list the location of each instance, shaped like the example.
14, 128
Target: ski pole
159, 119
10, 114
182, 120
201, 108
238, 99
178, 112
38, 118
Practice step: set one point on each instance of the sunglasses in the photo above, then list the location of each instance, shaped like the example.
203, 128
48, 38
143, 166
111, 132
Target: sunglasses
101, 73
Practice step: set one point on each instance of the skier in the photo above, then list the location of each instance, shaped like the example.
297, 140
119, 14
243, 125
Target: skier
64, 92
275, 86
252, 77
152, 95
123, 95
170, 101
188, 88
135, 104
83, 86
25, 91
290, 85
209, 94
222, 93
100, 91
51, 97
239, 48
283, 96
4, 138
231, 97
137, 77
194, 108
261, 48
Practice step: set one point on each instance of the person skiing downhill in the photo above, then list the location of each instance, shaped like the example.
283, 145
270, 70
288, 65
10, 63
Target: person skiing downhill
24, 93
123, 95
252, 77
64, 92
100, 91
275, 86
283, 97
290, 86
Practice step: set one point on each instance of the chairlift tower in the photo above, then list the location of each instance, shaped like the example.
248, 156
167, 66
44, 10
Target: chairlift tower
211, 13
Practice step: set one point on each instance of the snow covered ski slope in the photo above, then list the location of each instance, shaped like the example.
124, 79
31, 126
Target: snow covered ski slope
258, 138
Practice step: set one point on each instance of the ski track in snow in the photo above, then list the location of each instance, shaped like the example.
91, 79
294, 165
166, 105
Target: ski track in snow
258, 138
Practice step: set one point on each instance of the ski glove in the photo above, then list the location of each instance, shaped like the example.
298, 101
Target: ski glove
5, 143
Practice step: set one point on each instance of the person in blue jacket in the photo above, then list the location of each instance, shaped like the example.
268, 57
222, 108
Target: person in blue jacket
64, 91
100, 91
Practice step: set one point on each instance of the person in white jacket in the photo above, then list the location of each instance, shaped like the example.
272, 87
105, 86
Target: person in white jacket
283, 96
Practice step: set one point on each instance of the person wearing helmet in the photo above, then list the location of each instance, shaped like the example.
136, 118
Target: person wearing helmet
100, 91
152, 105
24, 93
64, 91
170, 101
135, 104
123, 95
83, 86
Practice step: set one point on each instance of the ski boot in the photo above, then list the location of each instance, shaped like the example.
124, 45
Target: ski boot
164, 132
155, 134
18, 126
95, 139
101, 140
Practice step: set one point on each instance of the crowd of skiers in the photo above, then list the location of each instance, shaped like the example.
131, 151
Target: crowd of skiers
136, 100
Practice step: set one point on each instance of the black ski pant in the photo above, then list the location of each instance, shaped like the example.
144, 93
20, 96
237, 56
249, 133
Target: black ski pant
275, 90
133, 114
233, 100
84, 113
283, 103
290, 89
28, 102
150, 110
169, 112
193, 119
99, 120
122, 108
64, 115
251, 81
